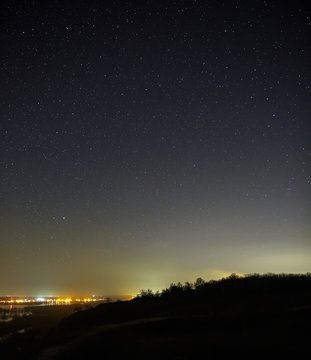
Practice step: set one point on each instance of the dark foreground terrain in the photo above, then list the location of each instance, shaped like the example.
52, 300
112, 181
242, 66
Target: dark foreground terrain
253, 317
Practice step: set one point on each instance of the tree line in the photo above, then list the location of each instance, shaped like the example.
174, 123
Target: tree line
277, 281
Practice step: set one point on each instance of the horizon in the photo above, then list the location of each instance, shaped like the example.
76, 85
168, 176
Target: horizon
154, 290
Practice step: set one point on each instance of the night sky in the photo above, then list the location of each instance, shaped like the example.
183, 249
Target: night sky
150, 142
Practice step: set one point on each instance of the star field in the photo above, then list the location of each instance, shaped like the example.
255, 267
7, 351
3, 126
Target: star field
146, 143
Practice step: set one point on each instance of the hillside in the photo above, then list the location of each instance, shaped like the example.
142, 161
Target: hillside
258, 315
252, 317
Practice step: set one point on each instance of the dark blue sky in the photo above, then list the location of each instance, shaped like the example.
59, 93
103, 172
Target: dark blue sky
144, 143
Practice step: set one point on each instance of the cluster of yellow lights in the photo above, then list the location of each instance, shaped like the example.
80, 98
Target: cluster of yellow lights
69, 300
56, 301
60, 300
18, 301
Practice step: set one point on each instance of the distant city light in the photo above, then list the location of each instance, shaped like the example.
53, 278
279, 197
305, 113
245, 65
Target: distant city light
50, 300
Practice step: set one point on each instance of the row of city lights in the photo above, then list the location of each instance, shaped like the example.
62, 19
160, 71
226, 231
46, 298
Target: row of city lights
48, 300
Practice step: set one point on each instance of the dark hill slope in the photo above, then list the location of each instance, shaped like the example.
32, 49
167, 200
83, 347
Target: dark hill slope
253, 317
